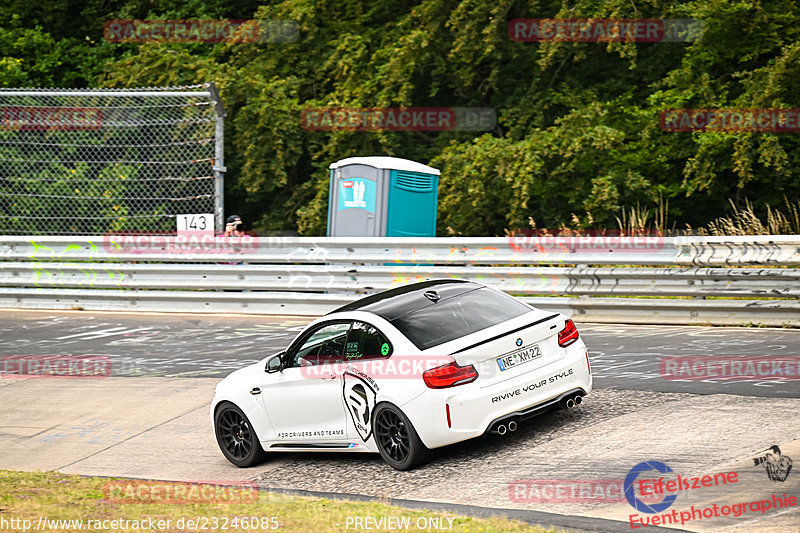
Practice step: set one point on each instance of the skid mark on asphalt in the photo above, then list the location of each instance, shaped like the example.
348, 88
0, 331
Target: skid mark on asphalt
367, 474
628, 356
603, 439
623, 356
168, 346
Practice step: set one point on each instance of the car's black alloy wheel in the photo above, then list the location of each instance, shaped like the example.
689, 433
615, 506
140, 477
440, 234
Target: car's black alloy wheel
397, 440
236, 437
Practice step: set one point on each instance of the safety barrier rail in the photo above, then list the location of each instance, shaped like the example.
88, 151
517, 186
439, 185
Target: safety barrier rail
680, 280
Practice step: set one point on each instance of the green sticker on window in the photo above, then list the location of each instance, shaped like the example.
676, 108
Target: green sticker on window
384, 349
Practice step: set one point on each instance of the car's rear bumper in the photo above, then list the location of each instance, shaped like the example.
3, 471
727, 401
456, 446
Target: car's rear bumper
535, 410
474, 409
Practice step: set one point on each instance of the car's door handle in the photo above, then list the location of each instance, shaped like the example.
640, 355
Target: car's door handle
329, 376
255, 390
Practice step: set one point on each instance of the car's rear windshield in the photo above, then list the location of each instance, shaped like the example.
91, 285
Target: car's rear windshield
458, 316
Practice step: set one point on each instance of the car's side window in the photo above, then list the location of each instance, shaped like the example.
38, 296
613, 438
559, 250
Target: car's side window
324, 346
366, 342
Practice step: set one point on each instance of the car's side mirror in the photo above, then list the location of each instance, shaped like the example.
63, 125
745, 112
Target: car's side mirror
274, 364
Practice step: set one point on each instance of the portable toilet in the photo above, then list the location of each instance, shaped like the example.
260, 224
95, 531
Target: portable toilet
382, 197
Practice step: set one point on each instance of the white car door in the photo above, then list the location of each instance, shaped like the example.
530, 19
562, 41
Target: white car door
304, 401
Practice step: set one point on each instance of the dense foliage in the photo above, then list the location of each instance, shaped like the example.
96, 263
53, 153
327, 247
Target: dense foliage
577, 129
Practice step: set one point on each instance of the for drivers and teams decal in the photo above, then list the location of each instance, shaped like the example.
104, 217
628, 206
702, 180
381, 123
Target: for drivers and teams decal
360, 393
311, 433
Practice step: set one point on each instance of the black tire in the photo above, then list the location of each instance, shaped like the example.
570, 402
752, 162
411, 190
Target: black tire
397, 440
236, 437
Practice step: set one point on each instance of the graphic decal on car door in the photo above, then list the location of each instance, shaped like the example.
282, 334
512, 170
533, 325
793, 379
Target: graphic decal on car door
360, 394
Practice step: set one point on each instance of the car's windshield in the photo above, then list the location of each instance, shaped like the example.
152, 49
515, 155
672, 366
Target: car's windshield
458, 316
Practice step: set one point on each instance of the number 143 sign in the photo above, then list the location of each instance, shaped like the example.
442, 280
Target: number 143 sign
200, 224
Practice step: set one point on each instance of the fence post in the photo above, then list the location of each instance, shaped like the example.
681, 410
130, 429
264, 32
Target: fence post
219, 159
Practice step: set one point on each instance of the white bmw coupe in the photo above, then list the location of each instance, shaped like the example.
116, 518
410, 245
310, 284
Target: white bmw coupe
401, 372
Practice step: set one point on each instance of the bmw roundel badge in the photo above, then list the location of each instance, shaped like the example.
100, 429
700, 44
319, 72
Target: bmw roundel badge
519, 342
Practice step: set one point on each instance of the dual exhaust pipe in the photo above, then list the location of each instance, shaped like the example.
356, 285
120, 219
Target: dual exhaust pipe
572, 401
510, 424
502, 429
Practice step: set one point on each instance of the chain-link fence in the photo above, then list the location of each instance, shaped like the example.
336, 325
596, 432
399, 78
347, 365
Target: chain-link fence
91, 162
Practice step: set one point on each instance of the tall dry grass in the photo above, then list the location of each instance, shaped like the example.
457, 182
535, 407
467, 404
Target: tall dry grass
745, 221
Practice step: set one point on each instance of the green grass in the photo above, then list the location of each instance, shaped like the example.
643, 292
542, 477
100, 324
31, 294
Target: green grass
57, 496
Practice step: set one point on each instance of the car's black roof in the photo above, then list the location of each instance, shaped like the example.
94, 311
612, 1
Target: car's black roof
401, 300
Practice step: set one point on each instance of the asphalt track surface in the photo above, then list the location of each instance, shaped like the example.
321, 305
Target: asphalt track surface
696, 427
148, 345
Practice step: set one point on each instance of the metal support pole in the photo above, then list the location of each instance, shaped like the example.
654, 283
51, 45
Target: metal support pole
219, 160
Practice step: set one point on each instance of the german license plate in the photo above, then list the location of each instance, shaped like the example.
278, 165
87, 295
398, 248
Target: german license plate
520, 357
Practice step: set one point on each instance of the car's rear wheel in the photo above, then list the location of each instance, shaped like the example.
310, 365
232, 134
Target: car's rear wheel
397, 440
236, 437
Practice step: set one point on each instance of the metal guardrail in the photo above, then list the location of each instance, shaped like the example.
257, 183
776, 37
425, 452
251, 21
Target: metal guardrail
310, 276
777, 250
576, 281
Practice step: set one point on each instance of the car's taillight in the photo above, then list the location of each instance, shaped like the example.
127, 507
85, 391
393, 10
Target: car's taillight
568, 335
450, 375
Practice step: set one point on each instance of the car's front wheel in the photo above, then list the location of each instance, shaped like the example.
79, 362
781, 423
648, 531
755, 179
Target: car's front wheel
397, 440
236, 437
